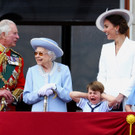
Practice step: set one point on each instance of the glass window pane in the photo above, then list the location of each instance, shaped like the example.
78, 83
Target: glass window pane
86, 46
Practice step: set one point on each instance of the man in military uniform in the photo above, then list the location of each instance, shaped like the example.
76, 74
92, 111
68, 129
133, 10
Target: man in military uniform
11, 67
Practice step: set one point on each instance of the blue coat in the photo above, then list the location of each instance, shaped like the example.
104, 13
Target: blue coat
36, 78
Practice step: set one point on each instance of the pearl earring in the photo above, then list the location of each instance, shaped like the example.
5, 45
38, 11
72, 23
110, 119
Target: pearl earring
116, 32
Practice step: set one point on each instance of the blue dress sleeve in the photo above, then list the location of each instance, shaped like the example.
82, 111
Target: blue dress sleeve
66, 86
131, 98
30, 96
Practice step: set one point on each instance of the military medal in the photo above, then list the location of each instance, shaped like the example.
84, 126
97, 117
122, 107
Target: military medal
13, 60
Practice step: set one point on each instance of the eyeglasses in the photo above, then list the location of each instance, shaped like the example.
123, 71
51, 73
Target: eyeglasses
39, 53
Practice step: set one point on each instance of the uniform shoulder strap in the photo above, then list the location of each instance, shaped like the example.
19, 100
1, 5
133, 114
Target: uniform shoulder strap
13, 51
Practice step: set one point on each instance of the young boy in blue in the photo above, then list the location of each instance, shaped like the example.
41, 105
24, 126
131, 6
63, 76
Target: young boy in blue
93, 101
130, 102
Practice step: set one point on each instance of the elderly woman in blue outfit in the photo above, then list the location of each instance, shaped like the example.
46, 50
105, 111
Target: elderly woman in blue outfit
47, 79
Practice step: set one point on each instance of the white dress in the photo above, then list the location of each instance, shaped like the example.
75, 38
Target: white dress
117, 72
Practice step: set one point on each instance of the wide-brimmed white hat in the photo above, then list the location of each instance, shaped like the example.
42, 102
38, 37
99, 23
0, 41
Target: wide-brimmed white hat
127, 15
48, 44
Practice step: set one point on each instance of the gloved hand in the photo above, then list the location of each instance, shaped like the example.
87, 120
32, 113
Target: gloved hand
48, 92
42, 90
52, 86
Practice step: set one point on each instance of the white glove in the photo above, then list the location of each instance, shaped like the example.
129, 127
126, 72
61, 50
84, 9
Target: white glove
48, 92
52, 86
43, 89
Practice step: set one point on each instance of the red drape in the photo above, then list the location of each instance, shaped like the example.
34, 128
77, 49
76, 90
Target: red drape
70, 123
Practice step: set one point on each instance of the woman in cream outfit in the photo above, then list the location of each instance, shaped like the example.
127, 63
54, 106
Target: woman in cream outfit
117, 60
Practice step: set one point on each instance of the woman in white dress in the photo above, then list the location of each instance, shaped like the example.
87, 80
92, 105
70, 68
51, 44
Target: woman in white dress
117, 60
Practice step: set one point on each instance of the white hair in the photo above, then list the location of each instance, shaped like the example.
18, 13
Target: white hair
52, 54
5, 26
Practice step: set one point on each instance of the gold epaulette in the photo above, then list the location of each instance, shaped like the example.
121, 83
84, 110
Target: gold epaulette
16, 52
3, 49
3, 58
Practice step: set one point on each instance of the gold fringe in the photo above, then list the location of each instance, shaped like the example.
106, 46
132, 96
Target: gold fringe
17, 93
3, 104
3, 61
1, 58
